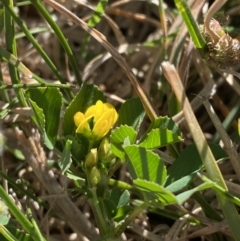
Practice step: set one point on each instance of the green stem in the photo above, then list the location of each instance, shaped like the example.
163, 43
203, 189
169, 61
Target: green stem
101, 222
191, 24
18, 214
35, 85
130, 218
60, 36
33, 41
119, 184
11, 47
5, 233
23, 191
36, 228
4, 96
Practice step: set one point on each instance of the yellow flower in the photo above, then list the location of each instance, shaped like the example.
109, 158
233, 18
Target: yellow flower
96, 122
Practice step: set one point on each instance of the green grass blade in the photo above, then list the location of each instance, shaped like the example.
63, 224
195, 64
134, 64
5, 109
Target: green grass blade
10, 58
33, 31
6, 111
1, 17
24, 3
92, 22
15, 62
33, 41
4, 96
191, 24
17, 213
20, 188
36, 228
61, 38
8, 235
97, 15
35, 85
11, 47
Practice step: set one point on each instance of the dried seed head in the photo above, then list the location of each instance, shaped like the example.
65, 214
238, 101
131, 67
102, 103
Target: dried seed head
223, 53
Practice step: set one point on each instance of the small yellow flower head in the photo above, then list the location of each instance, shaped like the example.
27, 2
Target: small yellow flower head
103, 117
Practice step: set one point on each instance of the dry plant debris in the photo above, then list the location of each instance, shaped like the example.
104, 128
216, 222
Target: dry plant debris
134, 29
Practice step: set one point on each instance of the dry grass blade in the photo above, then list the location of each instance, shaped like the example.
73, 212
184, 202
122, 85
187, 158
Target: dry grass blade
145, 233
195, 104
206, 76
197, 7
228, 144
209, 88
36, 158
185, 63
101, 58
233, 188
204, 150
118, 58
204, 232
135, 16
213, 9
176, 228
233, 83
119, 36
212, 227
195, 130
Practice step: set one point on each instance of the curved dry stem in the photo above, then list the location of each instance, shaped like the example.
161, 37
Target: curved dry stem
212, 10
117, 57
205, 152
228, 144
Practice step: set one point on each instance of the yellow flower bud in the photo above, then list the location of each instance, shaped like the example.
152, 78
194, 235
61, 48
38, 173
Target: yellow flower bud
94, 176
104, 150
105, 153
91, 159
